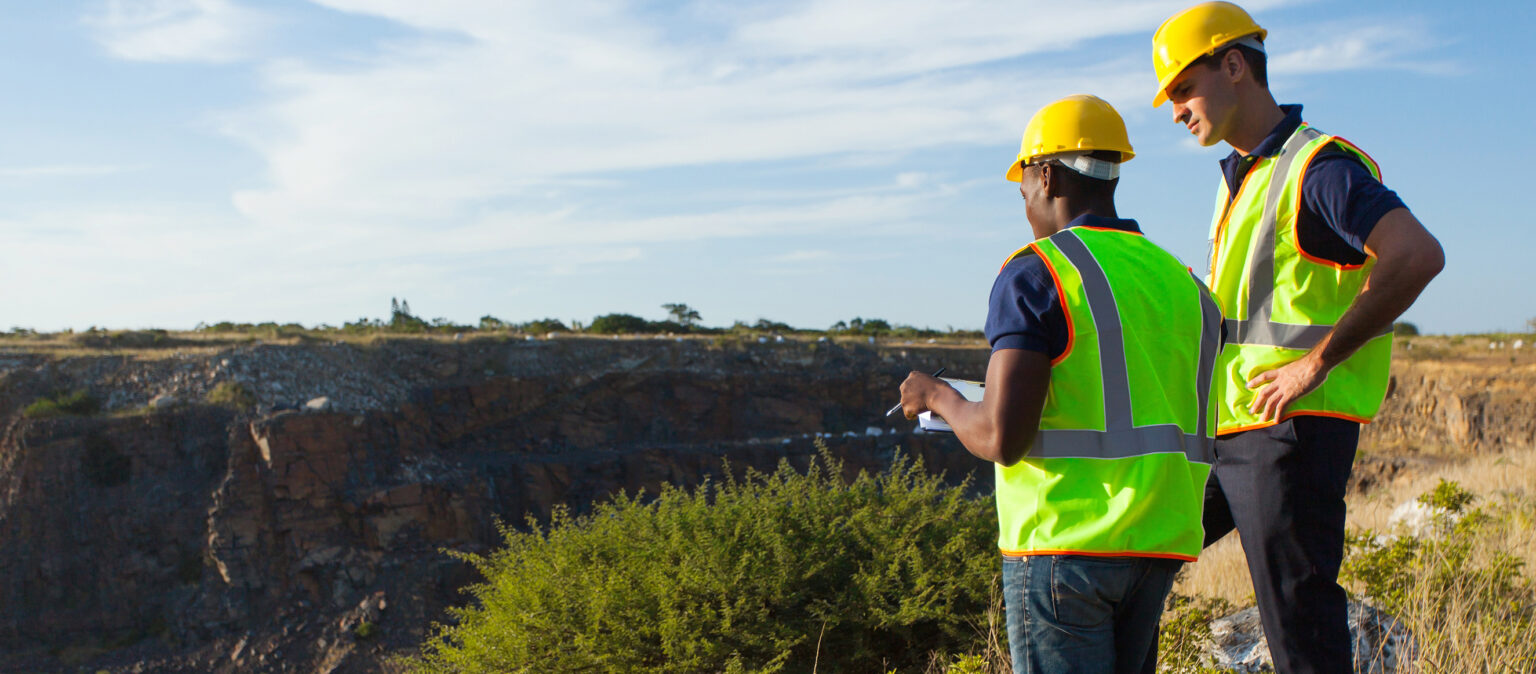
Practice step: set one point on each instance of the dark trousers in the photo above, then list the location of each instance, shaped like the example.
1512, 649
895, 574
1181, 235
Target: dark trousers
1282, 488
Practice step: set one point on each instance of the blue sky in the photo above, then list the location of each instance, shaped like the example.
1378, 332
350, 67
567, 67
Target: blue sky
165, 162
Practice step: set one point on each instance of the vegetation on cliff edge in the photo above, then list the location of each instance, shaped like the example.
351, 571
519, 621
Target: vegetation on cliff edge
787, 571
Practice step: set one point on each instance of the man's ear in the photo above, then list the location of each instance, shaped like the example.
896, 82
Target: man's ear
1049, 186
1233, 65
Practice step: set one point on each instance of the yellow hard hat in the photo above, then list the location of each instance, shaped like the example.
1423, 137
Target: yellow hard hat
1193, 33
1078, 123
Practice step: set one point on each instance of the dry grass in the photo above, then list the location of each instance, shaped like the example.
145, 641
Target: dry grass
1223, 573
1455, 631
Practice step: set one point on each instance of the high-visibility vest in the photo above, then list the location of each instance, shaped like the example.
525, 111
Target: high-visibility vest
1279, 301
1127, 430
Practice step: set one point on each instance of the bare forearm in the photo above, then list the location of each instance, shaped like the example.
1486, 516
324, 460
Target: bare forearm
1002, 425
1395, 283
974, 427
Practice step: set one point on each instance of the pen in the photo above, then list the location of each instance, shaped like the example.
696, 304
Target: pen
898, 405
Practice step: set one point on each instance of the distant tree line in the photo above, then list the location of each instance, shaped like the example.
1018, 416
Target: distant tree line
681, 320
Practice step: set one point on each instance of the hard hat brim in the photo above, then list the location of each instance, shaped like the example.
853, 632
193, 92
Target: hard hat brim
1221, 42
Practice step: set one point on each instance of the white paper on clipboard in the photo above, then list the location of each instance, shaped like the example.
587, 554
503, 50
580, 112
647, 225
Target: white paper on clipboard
933, 423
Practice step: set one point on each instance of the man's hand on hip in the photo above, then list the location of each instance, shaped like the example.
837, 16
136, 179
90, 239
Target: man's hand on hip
1284, 385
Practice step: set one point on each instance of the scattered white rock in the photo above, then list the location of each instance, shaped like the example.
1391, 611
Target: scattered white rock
874, 431
933, 341
1416, 518
1518, 343
779, 339
871, 340
1381, 644
762, 340
822, 338
162, 401
320, 404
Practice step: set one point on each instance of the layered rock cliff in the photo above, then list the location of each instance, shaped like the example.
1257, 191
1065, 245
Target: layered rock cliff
278, 535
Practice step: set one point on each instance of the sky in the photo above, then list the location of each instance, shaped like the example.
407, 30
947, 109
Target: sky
170, 162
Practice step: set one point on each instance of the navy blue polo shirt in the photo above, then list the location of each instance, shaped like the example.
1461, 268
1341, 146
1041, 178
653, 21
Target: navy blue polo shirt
1025, 311
1341, 201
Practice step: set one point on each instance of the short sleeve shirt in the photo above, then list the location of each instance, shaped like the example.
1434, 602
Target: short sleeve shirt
1025, 311
1341, 200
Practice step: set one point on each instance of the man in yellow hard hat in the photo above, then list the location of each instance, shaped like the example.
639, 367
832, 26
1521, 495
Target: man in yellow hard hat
1312, 260
1097, 412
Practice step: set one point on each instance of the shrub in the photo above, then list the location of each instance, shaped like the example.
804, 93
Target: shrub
1185, 632
78, 403
543, 325
764, 573
619, 324
1463, 596
1405, 329
232, 395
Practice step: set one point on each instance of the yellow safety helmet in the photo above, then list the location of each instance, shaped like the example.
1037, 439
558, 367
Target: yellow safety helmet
1193, 33
1078, 123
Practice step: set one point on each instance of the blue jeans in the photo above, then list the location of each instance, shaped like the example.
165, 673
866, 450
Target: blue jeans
1081, 614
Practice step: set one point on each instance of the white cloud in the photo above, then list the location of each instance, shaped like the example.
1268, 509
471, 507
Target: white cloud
178, 30
514, 131
1355, 45
431, 131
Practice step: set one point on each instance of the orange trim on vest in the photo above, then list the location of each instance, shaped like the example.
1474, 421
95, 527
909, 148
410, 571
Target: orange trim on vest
1356, 148
1095, 553
1108, 229
1295, 234
1298, 413
1071, 333
1011, 256
1226, 212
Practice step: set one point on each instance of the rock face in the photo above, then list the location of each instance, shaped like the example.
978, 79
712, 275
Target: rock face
1463, 405
200, 538
278, 533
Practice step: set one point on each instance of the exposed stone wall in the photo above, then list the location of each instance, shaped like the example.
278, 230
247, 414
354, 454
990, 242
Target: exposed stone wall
194, 538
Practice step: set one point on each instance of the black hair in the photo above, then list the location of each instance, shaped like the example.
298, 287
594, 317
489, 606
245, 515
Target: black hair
1255, 59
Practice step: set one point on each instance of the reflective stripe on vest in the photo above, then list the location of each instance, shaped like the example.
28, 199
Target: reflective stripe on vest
1120, 439
1281, 301
1127, 427
1258, 328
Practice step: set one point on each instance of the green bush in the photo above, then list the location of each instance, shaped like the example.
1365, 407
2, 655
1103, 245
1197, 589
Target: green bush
1185, 632
543, 325
232, 395
619, 324
1459, 588
766, 573
79, 403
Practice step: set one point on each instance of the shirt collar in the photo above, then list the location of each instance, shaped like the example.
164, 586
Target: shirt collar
1090, 220
1276, 138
